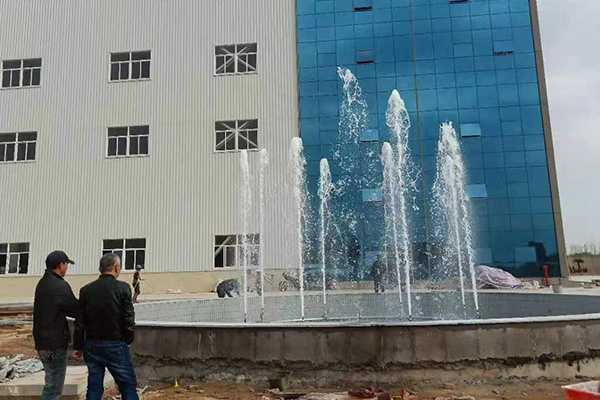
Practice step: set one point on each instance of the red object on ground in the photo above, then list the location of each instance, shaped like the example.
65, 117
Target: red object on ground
546, 279
583, 391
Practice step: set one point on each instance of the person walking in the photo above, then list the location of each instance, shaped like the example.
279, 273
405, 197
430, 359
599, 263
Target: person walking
54, 302
137, 278
377, 273
105, 330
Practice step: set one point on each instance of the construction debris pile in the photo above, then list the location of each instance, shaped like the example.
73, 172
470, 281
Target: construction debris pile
17, 367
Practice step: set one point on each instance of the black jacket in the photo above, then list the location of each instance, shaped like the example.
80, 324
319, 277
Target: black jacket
54, 301
106, 312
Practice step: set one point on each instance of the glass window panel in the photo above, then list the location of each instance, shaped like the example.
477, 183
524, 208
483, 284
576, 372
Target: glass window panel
113, 244
6, 79
230, 66
11, 64
27, 77
253, 140
3, 258
140, 55
19, 247
10, 152
119, 57
3, 247
124, 67
8, 137
112, 146
140, 257
230, 256
134, 146
15, 79
21, 151
114, 72
136, 70
146, 69
120, 131
144, 145
219, 258
252, 61
129, 259
138, 130
23, 263
13, 263
135, 243
122, 146
224, 50
241, 64
31, 151
25, 136
32, 63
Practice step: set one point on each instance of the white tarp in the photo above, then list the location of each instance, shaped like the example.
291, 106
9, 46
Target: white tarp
495, 278
16, 367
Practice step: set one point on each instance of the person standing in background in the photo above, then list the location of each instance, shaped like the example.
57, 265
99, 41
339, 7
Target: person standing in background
137, 278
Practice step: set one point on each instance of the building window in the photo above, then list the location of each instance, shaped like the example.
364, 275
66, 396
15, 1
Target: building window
503, 47
131, 251
235, 59
130, 66
229, 250
14, 258
363, 5
21, 73
372, 195
477, 191
365, 57
18, 146
236, 135
128, 141
470, 130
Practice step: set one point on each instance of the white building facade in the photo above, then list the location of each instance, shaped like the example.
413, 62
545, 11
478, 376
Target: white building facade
121, 125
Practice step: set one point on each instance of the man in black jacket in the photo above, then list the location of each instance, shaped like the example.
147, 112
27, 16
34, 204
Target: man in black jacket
105, 331
54, 301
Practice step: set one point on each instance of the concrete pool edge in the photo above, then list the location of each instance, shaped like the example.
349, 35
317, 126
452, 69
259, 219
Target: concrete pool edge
358, 324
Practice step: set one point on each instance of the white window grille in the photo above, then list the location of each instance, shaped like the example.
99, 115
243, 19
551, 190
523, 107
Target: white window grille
20, 146
128, 141
131, 251
229, 250
130, 66
236, 135
236, 59
21, 73
14, 258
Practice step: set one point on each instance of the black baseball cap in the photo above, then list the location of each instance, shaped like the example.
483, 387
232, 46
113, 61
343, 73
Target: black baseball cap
57, 257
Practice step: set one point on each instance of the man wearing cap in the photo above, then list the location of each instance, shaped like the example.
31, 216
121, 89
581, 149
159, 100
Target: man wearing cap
54, 301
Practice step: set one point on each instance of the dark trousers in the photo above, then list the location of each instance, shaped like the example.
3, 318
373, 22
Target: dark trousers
100, 355
378, 283
55, 369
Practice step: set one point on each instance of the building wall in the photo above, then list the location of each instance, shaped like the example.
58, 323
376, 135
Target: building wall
181, 195
445, 61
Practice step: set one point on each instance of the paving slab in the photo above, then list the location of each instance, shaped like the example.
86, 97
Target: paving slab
30, 387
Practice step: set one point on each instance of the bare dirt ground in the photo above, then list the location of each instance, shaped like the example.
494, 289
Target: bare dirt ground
539, 390
18, 340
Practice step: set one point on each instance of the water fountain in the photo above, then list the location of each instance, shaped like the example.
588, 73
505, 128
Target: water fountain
325, 189
262, 173
403, 172
298, 186
245, 207
391, 217
452, 210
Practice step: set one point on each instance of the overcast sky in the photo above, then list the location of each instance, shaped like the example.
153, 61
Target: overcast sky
570, 43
